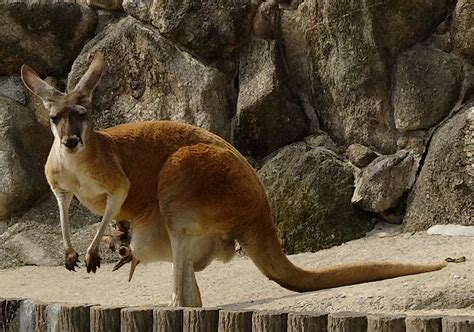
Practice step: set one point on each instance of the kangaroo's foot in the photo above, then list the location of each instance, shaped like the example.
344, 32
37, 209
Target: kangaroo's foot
71, 258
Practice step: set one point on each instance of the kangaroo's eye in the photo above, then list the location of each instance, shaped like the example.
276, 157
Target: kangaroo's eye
55, 119
83, 115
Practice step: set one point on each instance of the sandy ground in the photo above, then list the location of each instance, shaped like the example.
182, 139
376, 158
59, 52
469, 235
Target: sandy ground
239, 285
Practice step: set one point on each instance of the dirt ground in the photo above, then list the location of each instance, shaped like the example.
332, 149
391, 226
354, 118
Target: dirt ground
240, 285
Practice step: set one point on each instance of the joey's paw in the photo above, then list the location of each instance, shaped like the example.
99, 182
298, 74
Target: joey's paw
71, 258
92, 260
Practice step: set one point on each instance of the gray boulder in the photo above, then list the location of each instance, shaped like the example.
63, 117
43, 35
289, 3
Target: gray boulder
381, 184
310, 191
268, 117
266, 20
444, 190
24, 146
34, 243
209, 29
427, 83
338, 54
12, 87
320, 139
47, 35
360, 155
46, 211
106, 4
147, 78
400, 24
463, 28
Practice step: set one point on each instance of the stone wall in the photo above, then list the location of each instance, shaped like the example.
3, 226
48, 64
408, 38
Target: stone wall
352, 111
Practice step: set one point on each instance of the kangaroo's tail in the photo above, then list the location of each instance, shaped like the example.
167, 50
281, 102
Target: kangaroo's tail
261, 243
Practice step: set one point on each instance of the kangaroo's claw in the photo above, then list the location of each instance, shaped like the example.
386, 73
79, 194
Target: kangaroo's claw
92, 261
71, 258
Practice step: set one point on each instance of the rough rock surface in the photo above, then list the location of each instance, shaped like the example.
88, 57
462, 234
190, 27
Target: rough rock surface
268, 116
34, 243
444, 190
320, 139
426, 86
23, 152
107, 4
337, 55
149, 78
266, 20
210, 29
360, 155
310, 191
46, 212
12, 87
45, 35
463, 29
379, 186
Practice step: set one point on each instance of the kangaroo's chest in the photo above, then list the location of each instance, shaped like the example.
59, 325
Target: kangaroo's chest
87, 190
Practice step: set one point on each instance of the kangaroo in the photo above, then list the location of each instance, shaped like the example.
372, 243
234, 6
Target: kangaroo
189, 195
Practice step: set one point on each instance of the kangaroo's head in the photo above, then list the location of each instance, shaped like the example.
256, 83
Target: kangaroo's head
70, 120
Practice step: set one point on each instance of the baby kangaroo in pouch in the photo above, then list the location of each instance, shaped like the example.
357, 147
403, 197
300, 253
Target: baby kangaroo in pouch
189, 195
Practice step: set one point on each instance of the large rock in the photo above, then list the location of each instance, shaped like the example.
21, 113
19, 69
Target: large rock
147, 77
24, 147
399, 24
47, 35
46, 211
310, 191
35, 243
268, 117
463, 28
210, 29
360, 155
444, 190
427, 83
12, 87
106, 4
266, 20
381, 184
338, 54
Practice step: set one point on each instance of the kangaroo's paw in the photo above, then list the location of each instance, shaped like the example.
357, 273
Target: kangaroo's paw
92, 260
126, 258
71, 258
119, 236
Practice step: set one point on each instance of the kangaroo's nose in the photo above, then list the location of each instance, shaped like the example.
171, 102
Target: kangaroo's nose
70, 142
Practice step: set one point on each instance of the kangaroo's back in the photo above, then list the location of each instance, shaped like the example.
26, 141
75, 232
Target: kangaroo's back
143, 148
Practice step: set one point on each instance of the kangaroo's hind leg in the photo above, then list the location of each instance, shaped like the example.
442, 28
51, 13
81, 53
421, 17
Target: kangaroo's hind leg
185, 289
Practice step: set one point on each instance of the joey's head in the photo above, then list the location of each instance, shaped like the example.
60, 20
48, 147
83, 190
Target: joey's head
69, 113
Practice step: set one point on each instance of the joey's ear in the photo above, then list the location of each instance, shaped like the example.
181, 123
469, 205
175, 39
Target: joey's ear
89, 80
36, 85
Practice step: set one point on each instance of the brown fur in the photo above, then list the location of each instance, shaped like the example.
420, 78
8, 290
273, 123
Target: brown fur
188, 194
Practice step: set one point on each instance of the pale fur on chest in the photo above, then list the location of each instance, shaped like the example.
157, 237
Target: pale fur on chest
74, 177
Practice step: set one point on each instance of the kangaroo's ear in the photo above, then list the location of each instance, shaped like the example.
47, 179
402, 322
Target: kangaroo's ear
89, 80
36, 85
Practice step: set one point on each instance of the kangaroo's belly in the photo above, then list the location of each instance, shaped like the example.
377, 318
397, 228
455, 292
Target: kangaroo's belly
150, 241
